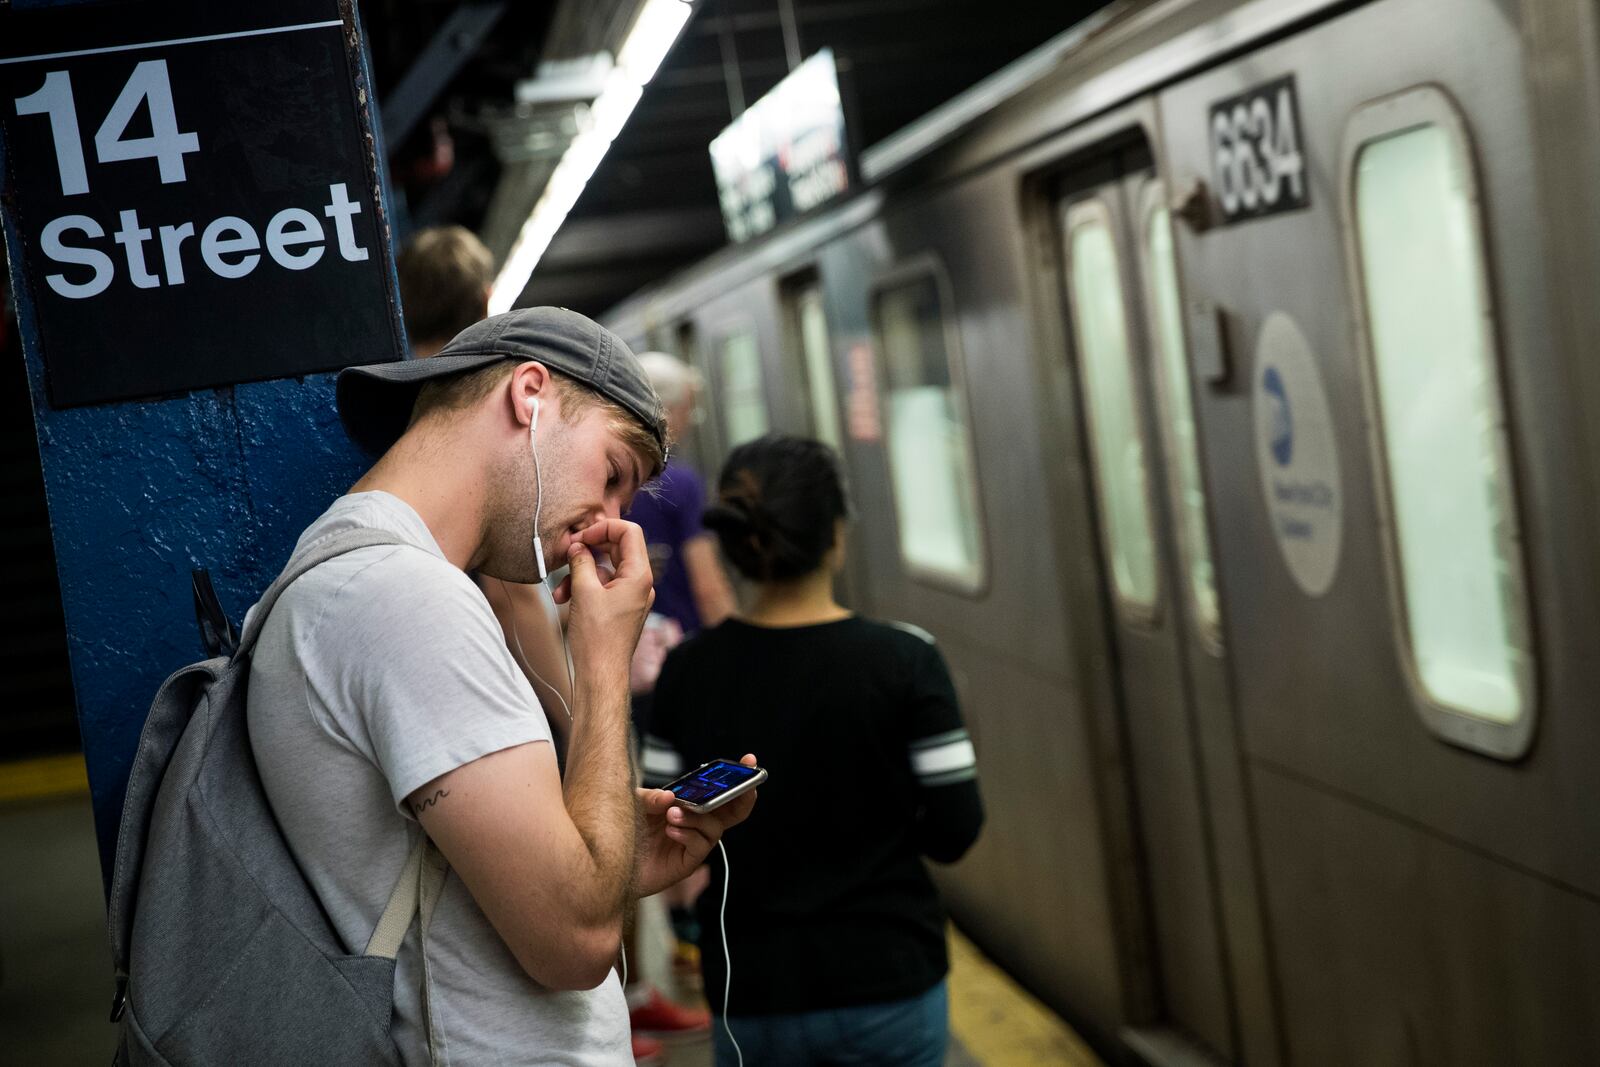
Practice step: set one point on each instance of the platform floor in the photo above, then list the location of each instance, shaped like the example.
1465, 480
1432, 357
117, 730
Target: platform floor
55, 968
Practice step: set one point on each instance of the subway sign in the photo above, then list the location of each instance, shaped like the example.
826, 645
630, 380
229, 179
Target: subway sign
786, 154
193, 193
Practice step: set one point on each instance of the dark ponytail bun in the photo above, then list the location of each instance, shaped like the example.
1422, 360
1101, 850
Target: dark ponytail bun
778, 500
730, 519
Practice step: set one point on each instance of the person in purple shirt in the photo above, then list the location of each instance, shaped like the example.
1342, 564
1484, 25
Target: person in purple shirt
691, 587
669, 513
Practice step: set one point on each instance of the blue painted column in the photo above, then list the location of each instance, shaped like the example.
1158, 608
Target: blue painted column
223, 477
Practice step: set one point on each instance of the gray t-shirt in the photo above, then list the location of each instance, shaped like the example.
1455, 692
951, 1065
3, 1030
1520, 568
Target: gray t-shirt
377, 672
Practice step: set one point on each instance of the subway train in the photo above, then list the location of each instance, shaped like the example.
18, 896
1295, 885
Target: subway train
1217, 383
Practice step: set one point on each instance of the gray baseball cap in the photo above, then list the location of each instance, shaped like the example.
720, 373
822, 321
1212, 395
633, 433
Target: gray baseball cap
375, 401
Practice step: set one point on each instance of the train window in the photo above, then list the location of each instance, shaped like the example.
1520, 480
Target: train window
744, 402
1433, 380
1100, 324
1177, 407
930, 449
810, 328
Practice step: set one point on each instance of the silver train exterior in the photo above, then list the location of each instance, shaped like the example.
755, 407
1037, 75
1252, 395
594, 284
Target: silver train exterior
1334, 800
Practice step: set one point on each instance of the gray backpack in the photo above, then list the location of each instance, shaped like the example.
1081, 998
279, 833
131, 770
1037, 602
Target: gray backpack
223, 954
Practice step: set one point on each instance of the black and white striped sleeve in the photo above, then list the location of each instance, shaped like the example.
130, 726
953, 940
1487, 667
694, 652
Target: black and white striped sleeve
943, 761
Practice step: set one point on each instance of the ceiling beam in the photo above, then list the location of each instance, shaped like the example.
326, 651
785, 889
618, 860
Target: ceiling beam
447, 51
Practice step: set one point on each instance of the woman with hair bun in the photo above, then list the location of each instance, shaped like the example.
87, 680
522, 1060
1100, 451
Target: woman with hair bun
838, 957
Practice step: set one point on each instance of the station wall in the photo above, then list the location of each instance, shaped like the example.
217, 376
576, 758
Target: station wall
142, 492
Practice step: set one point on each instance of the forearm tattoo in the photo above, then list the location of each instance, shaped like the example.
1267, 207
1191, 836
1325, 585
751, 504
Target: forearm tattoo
423, 805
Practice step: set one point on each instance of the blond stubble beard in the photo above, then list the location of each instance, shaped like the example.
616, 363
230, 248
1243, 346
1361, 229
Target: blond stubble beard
510, 501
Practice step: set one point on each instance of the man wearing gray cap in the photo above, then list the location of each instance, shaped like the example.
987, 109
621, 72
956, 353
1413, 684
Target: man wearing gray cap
383, 702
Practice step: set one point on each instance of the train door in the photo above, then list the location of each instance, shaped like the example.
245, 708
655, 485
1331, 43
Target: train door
1119, 296
810, 356
1392, 433
740, 340
808, 352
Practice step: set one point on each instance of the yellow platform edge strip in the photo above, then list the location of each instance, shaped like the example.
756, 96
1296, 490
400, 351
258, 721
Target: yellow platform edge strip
1000, 1024
40, 779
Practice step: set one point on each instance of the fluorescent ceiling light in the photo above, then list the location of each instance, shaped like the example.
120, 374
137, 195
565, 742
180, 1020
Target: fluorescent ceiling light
647, 44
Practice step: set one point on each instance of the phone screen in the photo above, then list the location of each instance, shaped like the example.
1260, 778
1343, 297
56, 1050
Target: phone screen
705, 784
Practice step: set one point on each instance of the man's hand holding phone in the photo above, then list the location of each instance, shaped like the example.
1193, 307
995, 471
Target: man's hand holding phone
677, 840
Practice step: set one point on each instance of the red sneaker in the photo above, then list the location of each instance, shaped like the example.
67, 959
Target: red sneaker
648, 1052
663, 1018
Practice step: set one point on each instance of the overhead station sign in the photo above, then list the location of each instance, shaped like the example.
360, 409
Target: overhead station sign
194, 192
786, 154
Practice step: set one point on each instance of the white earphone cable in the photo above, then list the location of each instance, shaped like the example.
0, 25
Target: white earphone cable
538, 488
522, 657
727, 960
538, 552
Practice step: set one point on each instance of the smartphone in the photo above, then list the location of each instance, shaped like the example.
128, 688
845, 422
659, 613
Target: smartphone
711, 785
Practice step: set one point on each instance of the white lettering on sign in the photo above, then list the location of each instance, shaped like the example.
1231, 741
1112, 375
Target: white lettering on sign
214, 246
747, 203
132, 238
815, 167
230, 246
171, 241
280, 239
166, 145
88, 257
341, 209
149, 83
1256, 153
55, 100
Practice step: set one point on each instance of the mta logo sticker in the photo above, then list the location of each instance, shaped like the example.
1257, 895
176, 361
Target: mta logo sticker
1282, 418
1297, 456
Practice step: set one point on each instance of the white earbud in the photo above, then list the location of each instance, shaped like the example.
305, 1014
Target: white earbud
538, 498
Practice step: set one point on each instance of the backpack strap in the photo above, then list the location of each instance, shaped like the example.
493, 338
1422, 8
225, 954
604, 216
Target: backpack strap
418, 887
430, 882
217, 634
318, 552
416, 893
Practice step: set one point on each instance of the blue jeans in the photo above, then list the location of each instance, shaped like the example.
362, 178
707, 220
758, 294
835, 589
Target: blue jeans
900, 1033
